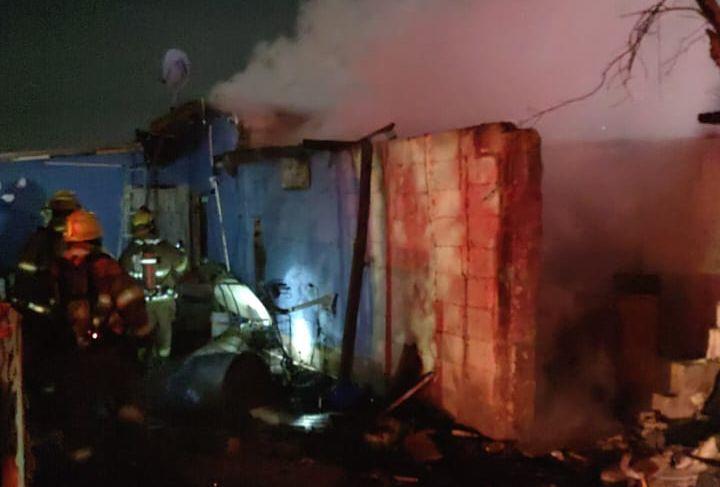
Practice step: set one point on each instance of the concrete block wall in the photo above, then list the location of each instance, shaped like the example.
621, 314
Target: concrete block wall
462, 213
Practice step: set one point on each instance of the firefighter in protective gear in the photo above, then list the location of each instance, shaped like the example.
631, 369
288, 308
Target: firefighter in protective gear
98, 297
157, 265
33, 294
32, 291
104, 311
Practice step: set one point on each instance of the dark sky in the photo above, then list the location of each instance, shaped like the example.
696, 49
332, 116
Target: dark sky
84, 73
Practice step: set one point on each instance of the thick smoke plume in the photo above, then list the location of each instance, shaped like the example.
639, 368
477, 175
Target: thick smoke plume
430, 65
610, 206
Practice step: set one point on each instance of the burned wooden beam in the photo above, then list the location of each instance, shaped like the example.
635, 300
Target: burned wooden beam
231, 160
328, 145
347, 354
710, 118
339, 145
177, 132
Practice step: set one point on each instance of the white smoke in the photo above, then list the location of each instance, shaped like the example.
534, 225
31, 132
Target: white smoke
428, 65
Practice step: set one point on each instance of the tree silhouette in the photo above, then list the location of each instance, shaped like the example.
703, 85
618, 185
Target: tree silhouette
621, 67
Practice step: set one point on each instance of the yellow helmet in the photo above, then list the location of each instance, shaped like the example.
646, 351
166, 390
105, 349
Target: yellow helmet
63, 201
142, 218
82, 226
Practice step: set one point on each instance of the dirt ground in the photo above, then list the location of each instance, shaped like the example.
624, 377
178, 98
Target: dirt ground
196, 455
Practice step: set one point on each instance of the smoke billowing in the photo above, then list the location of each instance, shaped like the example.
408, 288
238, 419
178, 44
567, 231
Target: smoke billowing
428, 65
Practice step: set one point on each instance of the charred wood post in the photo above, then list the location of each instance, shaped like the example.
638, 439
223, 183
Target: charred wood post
710, 118
347, 356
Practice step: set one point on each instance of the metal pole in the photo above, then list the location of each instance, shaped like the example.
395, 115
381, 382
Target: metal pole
218, 204
223, 237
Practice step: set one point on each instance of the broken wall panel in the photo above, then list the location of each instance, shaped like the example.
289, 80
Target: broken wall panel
451, 261
307, 240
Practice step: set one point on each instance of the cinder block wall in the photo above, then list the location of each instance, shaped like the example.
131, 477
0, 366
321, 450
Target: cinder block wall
455, 238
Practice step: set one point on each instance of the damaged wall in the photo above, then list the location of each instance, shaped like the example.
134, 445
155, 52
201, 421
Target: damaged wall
453, 245
462, 261
307, 239
306, 236
621, 206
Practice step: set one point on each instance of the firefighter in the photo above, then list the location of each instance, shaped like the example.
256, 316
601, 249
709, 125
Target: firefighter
33, 293
104, 311
157, 265
32, 290
98, 297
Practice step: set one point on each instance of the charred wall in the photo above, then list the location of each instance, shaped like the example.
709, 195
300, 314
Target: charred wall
462, 213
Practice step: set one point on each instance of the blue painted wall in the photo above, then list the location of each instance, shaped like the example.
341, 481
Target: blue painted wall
307, 234
98, 183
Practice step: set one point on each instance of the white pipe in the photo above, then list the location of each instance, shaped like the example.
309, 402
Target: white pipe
82, 164
216, 189
39, 157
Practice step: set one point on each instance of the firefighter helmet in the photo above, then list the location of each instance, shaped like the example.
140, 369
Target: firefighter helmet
63, 201
82, 226
142, 218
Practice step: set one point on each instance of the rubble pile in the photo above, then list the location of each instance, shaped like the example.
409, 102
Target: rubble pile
690, 385
675, 444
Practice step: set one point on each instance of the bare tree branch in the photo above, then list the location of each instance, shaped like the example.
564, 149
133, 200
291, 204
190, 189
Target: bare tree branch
684, 46
622, 66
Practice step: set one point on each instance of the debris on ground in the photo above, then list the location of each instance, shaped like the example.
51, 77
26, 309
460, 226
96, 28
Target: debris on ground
421, 447
462, 433
558, 455
652, 429
615, 442
494, 447
709, 479
691, 383
232, 446
708, 449
386, 433
424, 380
403, 479
671, 467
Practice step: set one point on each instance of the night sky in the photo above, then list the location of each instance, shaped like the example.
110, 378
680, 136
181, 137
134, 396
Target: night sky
85, 73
